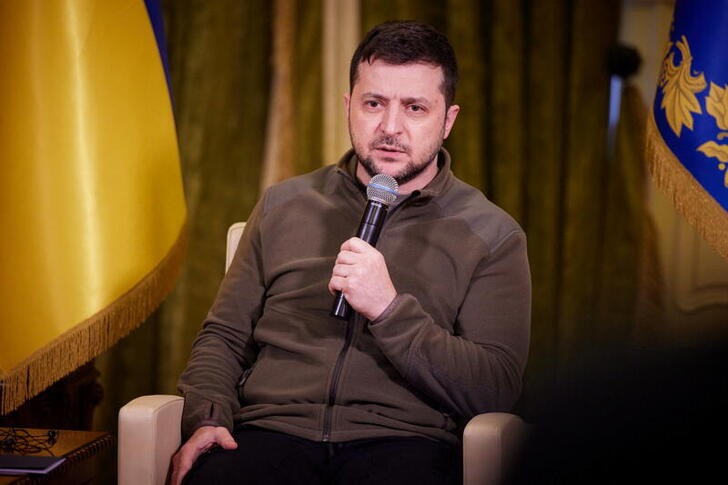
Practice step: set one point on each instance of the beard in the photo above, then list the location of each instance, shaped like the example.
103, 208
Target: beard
413, 167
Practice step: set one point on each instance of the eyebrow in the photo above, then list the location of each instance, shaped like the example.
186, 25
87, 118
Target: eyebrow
407, 100
416, 100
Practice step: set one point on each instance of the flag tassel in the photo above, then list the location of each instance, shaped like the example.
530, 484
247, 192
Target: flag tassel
690, 199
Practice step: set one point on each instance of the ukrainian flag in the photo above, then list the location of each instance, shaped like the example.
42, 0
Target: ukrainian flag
92, 210
688, 130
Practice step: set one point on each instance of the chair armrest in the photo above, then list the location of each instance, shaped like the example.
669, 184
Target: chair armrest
490, 442
149, 434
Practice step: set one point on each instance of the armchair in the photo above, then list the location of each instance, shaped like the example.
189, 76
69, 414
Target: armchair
149, 431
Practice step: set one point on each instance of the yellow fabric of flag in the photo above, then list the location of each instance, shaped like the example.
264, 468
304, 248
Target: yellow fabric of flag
92, 208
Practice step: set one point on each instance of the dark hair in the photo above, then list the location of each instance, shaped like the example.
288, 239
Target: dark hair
403, 42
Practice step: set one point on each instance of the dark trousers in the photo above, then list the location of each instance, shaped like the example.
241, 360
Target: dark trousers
270, 458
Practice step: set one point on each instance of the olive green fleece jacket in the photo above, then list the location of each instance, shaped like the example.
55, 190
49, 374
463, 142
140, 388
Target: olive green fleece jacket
452, 344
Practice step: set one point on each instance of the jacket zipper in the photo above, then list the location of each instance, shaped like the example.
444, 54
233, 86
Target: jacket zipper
328, 411
350, 326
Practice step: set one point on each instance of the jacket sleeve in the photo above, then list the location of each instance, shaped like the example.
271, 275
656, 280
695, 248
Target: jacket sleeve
224, 347
479, 366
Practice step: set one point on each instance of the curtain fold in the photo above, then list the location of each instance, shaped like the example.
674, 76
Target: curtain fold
548, 40
468, 141
278, 163
625, 261
593, 30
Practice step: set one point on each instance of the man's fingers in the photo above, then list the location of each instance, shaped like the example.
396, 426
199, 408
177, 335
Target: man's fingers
355, 245
352, 264
225, 439
336, 283
181, 464
351, 251
201, 441
346, 257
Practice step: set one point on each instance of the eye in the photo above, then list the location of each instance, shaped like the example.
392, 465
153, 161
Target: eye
416, 108
372, 103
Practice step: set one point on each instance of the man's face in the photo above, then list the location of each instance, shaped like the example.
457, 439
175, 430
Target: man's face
398, 120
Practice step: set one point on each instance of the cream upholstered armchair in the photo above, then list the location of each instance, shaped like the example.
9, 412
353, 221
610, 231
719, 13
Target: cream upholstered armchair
149, 431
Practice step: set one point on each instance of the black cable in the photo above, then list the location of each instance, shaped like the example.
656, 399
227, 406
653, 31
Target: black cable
18, 440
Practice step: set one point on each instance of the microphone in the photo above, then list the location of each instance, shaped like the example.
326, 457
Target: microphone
381, 192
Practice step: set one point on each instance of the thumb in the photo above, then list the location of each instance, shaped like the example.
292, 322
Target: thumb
225, 439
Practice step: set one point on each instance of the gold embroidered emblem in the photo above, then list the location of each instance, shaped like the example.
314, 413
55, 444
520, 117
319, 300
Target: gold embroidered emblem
679, 88
717, 106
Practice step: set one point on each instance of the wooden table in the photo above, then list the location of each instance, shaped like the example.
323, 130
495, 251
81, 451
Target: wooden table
81, 450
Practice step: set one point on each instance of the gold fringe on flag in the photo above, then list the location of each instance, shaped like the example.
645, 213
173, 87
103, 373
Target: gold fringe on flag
93, 336
690, 199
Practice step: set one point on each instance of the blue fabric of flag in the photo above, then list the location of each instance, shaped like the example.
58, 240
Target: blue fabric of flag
156, 18
691, 103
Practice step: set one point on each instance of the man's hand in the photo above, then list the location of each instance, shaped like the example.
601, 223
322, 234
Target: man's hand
201, 441
361, 274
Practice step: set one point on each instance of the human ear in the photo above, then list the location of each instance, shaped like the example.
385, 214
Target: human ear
450, 116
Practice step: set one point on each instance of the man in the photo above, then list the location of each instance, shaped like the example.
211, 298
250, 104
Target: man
442, 305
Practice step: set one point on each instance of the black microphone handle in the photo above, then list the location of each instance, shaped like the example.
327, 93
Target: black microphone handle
369, 229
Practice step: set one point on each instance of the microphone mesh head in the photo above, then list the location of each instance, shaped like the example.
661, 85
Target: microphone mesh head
382, 188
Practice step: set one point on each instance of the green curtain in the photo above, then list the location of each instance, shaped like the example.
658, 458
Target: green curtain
534, 94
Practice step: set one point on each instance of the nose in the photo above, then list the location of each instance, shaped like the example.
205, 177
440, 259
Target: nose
391, 123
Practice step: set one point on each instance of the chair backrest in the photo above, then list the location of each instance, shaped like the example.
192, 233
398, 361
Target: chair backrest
233, 238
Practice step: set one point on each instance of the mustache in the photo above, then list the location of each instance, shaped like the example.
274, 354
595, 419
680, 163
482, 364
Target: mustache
389, 141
